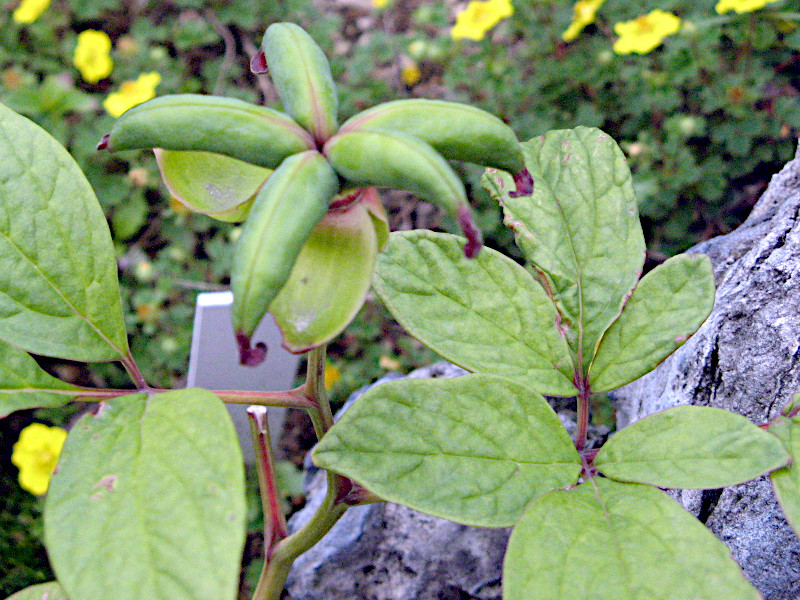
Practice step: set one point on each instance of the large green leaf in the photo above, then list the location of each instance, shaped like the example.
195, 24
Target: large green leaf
59, 294
580, 229
667, 306
617, 541
23, 383
694, 447
213, 184
786, 481
329, 280
43, 591
474, 449
148, 501
485, 314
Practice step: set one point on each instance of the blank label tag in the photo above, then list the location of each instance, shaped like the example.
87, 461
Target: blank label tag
214, 363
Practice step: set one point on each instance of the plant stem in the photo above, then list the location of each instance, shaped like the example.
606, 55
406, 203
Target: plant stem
133, 371
275, 528
295, 398
583, 410
315, 386
280, 554
283, 554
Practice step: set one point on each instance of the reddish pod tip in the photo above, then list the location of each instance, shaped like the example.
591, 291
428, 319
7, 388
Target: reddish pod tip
250, 357
103, 143
471, 231
524, 182
258, 64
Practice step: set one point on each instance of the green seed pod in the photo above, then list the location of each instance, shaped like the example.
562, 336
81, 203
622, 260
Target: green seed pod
302, 76
457, 131
399, 160
255, 134
284, 213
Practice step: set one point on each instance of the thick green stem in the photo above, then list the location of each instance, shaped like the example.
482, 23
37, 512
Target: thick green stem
295, 398
273, 577
283, 553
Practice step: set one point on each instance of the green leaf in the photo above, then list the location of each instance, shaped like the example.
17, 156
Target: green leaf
474, 449
693, 447
148, 500
59, 294
666, 307
43, 591
329, 280
215, 185
786, 481
617, 541
485, 314
580, 229
23, 383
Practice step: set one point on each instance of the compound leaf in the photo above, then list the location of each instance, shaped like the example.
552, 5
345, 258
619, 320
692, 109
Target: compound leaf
42, 591
485, 314
617, 541
580, 229
693, 447
148, 501
23, 383
474, 449
667, 306
59, 294
786, 481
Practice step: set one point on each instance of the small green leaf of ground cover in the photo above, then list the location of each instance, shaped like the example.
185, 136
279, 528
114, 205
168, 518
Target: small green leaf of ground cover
475, 449
23, 383
617, 541
667, 306
59, 294
485, 314
580, 229
148, 501
43, 591
693, 447
786, 481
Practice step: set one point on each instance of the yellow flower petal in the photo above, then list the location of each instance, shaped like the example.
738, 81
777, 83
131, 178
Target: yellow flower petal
29, 10
584, 12
479, 17
91, 55
741, 6
35, 455
410, 74
332, 375
645, 33
132, 93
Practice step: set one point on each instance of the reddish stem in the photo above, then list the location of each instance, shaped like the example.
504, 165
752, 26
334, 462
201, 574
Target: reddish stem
275, 528
583, 411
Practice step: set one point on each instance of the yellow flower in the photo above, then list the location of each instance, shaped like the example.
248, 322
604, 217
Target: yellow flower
91, 55
132, 93
479, 17
380, 4
410, 74
645, 33
741, 6
29, 10
332, 375
35, 455
583, 14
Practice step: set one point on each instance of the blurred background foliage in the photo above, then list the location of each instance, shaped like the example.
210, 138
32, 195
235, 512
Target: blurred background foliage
705, 119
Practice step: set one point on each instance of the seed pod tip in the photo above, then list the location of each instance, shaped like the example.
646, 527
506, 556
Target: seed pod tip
250, 356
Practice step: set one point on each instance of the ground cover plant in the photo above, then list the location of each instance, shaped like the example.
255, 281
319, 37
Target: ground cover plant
162, 313
485, 449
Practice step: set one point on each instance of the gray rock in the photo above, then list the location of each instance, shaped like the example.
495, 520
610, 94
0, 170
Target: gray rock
389, 552
745, 358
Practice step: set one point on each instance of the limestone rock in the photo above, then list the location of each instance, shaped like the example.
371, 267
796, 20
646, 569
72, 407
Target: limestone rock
745, 358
